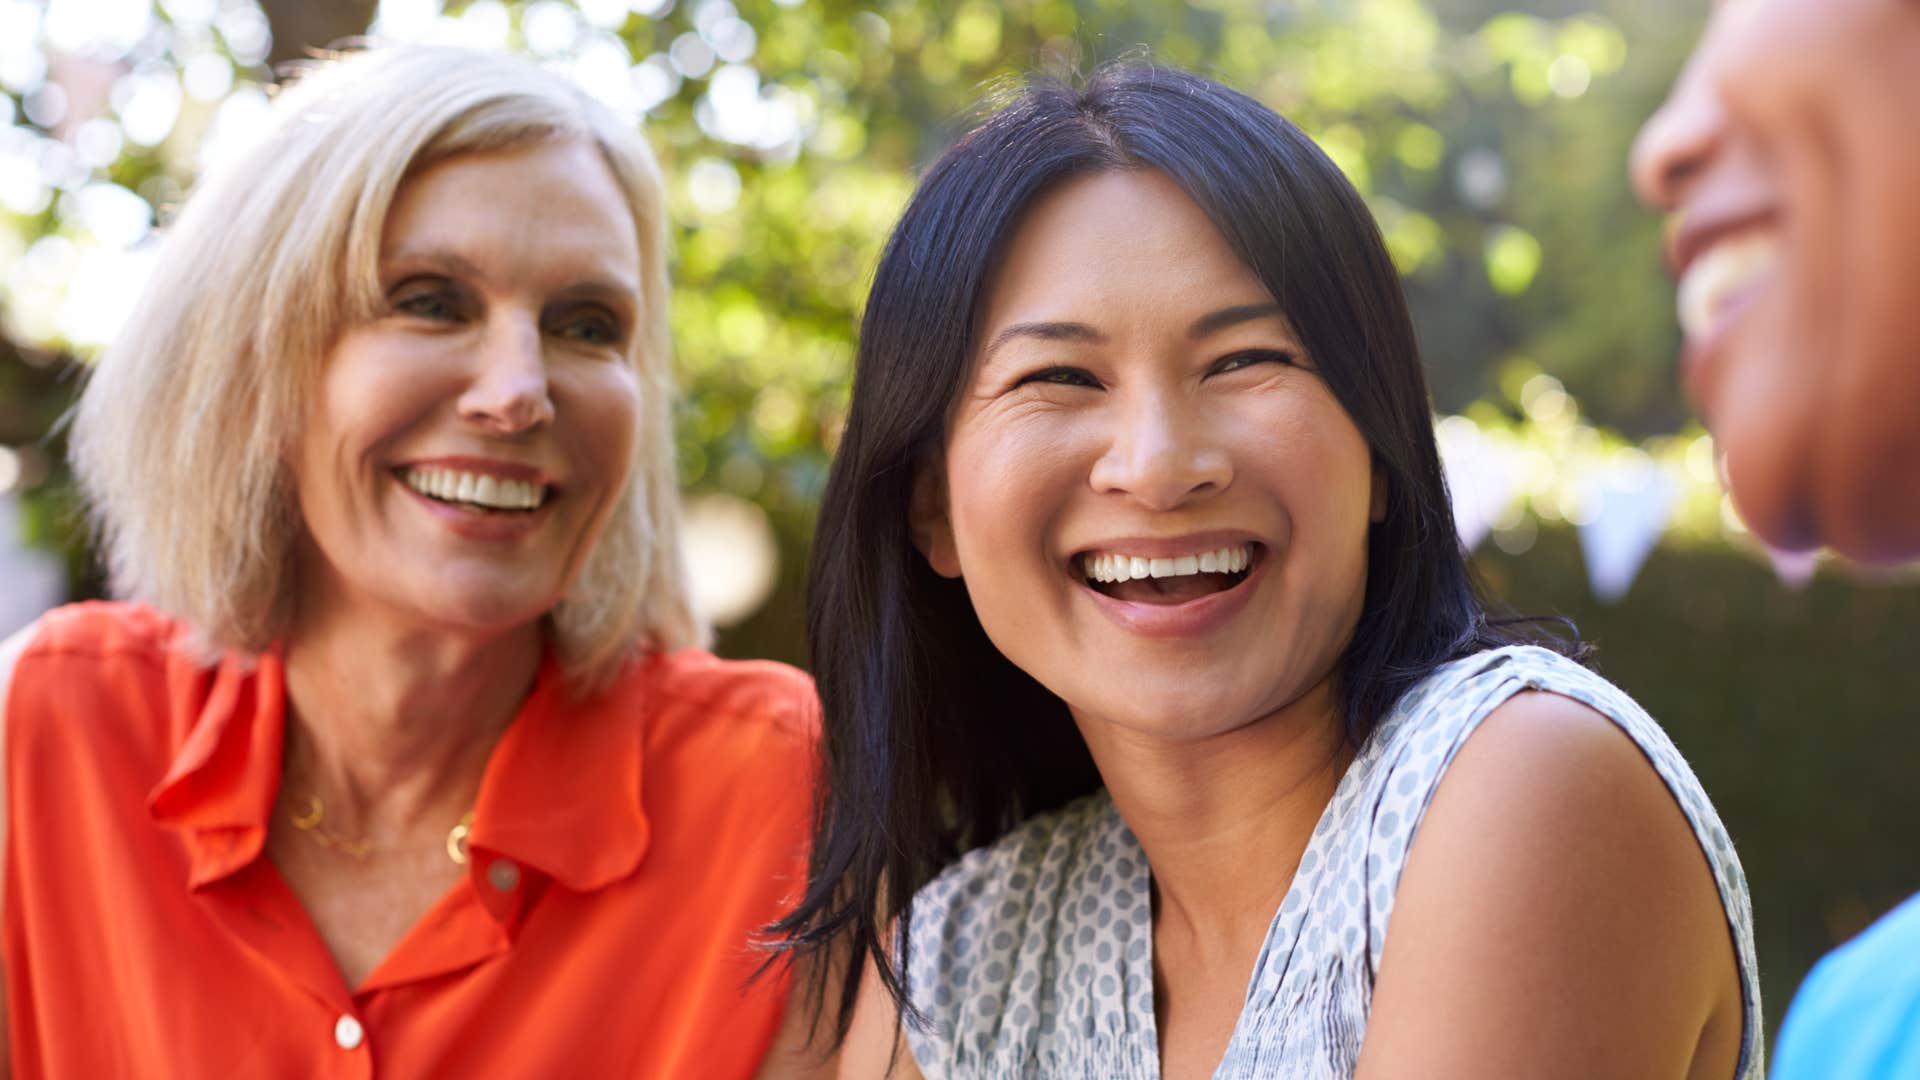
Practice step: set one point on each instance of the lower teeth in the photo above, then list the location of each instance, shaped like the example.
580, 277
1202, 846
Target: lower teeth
1226, 581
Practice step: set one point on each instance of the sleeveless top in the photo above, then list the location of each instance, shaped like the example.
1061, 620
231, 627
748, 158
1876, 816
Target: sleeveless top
1031, 957
625, 849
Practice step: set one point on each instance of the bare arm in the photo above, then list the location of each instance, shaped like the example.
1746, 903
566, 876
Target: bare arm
1556, 918
10, 651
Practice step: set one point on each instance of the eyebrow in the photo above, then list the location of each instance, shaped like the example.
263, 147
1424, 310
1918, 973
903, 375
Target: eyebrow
452, 262
1205, 326
1044, 331
1217, 321
432, 258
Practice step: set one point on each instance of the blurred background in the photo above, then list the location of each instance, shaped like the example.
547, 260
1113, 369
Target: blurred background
1490, 137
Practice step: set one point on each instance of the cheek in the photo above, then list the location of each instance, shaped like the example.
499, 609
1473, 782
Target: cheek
1006, 487
1306, 449
601, 413
369, 393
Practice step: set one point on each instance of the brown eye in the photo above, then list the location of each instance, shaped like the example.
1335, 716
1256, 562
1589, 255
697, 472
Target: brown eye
1250, 358
1061, 376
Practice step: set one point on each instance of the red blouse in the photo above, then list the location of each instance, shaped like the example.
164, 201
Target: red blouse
624, 851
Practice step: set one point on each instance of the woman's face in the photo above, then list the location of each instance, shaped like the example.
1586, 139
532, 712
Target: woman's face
1140, 408
467, 445
1789, 158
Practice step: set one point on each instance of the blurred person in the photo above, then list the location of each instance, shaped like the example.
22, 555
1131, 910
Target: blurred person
399, 754
1787, 157
1145, 645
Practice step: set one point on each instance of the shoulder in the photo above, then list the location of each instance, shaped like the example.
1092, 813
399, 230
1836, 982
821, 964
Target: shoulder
96, 681
999, 881
724, 739
692, 696
1531, 713
92, 659
102, 630
1855, 1014
1550, 844
965, 924
1030, 954
1462, 690
761, 690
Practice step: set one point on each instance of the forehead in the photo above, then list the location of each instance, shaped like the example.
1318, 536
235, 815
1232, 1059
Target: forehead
1116, 247
546, 202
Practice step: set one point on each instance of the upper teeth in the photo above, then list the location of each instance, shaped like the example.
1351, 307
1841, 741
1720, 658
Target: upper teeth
1115, 567
1719, 274
479, 489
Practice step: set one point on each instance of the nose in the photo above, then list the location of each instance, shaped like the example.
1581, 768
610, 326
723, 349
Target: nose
1161, 454
1678, 142
508, 393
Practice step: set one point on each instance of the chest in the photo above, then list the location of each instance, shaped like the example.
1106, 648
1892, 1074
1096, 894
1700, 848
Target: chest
1074, 980
362, 908
1196, 1008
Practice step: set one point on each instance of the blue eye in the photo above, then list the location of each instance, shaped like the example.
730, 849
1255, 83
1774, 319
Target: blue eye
592, 330
425, 300
1061, 376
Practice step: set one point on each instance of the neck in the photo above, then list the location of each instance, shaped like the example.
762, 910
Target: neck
392, 725
1224, 819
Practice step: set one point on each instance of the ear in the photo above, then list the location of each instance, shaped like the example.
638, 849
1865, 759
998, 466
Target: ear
1377, 510
927, 519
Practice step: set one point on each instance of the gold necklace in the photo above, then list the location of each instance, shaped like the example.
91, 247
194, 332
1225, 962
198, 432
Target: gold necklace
308, 821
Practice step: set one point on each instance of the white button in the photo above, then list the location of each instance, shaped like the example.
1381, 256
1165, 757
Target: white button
504, 874
348, 1032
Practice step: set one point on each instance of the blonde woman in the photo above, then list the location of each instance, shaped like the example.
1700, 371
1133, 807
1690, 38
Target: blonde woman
398, 754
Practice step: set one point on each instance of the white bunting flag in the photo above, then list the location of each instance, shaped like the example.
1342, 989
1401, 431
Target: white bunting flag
1628, 503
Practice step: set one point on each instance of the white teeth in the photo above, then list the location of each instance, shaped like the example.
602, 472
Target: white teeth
1721, 273
1112, 567
480, 489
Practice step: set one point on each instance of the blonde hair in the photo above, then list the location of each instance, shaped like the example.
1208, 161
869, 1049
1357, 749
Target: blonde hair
180, 439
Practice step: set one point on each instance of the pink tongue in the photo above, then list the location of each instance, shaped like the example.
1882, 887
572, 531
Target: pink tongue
1175, 590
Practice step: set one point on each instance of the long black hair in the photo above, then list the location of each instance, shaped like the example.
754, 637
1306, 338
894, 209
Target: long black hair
934, 742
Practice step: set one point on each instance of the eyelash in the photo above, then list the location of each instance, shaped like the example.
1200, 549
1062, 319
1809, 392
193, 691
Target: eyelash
1252, 356
603, 328
1060, 376
407, 301
1073, 376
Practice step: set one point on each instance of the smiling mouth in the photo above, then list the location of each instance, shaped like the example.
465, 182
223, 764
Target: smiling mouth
1719, 278
1168, 581
477, 492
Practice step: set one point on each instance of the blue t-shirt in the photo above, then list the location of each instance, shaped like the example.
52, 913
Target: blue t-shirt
1857, 1017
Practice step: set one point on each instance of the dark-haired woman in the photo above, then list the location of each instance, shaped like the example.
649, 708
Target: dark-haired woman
1137, 584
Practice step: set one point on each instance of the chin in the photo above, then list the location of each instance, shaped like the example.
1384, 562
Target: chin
1880, 525
486, 612
1852, 487
1175, 711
